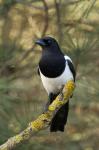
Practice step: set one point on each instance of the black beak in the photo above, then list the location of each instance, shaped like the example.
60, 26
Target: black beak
40, 42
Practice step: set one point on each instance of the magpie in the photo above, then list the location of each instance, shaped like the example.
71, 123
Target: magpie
55, 70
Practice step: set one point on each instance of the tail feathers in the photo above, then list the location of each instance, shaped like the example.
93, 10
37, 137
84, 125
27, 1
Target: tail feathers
60, 119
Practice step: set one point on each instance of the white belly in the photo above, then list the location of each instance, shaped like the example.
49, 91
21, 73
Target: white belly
53, 85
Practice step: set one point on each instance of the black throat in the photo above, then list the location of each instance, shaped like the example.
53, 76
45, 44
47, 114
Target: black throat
52, 64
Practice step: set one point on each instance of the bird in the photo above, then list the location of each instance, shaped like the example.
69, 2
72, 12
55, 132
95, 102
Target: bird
55, 70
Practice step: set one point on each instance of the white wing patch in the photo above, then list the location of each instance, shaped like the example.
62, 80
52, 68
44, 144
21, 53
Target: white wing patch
67, 57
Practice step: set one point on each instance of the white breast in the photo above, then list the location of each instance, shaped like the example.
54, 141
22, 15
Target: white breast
53, 85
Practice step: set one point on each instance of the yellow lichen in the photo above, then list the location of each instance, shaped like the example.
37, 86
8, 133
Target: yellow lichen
43, 120
68, 88
37, 124
44, 116
40, 122
55, 104
18, 138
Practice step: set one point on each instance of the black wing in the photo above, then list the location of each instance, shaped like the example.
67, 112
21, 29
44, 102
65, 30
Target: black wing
71, 66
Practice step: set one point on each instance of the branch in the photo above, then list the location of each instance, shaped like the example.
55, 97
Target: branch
84, 24
46, 22
43, 121
46, 18
51, 6
58, 15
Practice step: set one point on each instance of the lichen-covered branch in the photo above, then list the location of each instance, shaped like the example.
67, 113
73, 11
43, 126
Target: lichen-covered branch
43, 121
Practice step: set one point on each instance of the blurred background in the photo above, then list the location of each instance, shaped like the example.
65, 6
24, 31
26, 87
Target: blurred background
75, 24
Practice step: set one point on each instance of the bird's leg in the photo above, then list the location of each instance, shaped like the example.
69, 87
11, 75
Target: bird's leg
61, 88
51, 97
46, 106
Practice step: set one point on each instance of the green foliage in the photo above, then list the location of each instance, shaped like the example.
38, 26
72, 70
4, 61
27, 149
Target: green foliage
22, 96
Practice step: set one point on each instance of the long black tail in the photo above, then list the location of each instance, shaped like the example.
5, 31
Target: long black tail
60, 119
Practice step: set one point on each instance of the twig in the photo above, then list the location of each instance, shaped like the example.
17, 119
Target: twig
58, 14
46, 19
51, 6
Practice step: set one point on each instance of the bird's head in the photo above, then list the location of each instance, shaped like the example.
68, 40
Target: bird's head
48, 43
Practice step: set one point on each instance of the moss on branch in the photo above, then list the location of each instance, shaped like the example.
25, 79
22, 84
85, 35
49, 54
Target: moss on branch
43, 121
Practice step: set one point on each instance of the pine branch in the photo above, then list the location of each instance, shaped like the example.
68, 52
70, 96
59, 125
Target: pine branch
43, 121
46, 23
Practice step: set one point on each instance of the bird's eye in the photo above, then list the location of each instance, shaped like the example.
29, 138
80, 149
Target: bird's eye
49, 41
